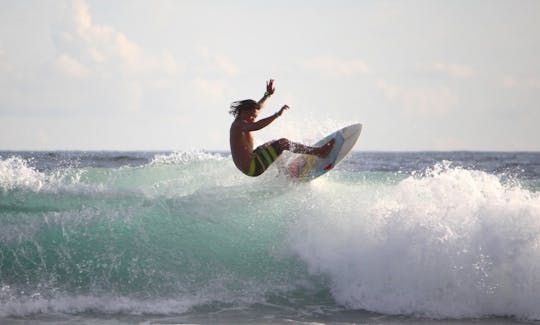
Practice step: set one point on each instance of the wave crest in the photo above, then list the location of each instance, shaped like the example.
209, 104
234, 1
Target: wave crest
452, 243
18, 174
184, 157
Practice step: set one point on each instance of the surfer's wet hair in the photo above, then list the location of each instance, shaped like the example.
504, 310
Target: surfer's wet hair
243, 105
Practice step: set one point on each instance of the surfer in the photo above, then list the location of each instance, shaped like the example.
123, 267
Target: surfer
255, 162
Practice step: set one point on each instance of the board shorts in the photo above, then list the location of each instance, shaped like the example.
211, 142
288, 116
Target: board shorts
263, 157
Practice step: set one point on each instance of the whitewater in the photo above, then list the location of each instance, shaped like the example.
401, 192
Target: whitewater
183, 237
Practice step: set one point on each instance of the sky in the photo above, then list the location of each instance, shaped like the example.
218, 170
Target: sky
161, 74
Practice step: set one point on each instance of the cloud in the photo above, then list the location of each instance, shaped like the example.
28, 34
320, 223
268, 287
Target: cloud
426, 100
211, 73
226, 66
4, 65
334, 67
449, 69
217, 63
71, 67
511, 82
208, 87
534, 83
88, 49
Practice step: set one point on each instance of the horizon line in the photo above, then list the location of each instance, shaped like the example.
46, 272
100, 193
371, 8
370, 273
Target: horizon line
228, 151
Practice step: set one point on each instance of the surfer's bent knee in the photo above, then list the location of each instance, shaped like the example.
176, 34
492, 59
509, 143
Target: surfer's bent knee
284, 143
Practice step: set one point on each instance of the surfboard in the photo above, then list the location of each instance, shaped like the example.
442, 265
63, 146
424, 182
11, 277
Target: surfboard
303, 167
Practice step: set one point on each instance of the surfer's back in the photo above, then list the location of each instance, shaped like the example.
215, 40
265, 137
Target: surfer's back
241, 143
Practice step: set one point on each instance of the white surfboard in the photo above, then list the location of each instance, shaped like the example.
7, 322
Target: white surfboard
305, 167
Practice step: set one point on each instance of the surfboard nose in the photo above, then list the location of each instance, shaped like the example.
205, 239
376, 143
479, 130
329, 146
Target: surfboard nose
352, 131
356, 128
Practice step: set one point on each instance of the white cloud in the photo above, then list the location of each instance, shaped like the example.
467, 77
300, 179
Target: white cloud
207, 87
427, 100
524, 83
71, 67
3, 64
210, 71
534, 83
100, 50
334, 67
509, 82
449, 69
217, 63
226, 66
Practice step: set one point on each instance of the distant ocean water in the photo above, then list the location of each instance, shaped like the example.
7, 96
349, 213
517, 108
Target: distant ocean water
183, 237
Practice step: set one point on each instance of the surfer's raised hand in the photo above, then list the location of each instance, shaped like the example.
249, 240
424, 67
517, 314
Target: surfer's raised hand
269, 91
270, 87
281, 110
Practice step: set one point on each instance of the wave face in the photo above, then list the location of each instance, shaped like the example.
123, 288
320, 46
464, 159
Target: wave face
165, 233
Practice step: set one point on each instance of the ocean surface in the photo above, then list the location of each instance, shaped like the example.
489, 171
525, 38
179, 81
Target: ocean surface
185, 238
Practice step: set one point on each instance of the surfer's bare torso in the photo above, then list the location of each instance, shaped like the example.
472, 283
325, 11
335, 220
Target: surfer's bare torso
241, 141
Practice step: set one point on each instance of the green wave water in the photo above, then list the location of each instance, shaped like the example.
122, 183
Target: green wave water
186, 232
167, 230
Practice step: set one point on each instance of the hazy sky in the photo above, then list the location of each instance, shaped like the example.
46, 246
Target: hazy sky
154, 75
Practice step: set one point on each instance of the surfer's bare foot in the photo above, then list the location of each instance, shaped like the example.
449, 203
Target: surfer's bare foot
325, 149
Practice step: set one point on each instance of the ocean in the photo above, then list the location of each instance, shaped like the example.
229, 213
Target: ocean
185, 238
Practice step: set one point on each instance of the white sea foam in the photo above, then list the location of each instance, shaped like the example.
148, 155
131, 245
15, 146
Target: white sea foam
13, 302
183, 157
17, 173
180, 169
104, 304
451, 243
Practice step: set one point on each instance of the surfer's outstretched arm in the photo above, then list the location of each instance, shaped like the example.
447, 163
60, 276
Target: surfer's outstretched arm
260, 124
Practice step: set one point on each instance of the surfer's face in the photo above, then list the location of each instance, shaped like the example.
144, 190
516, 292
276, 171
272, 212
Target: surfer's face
255, 113
251, 114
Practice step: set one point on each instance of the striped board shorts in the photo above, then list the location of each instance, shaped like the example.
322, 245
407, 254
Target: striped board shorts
263, 157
